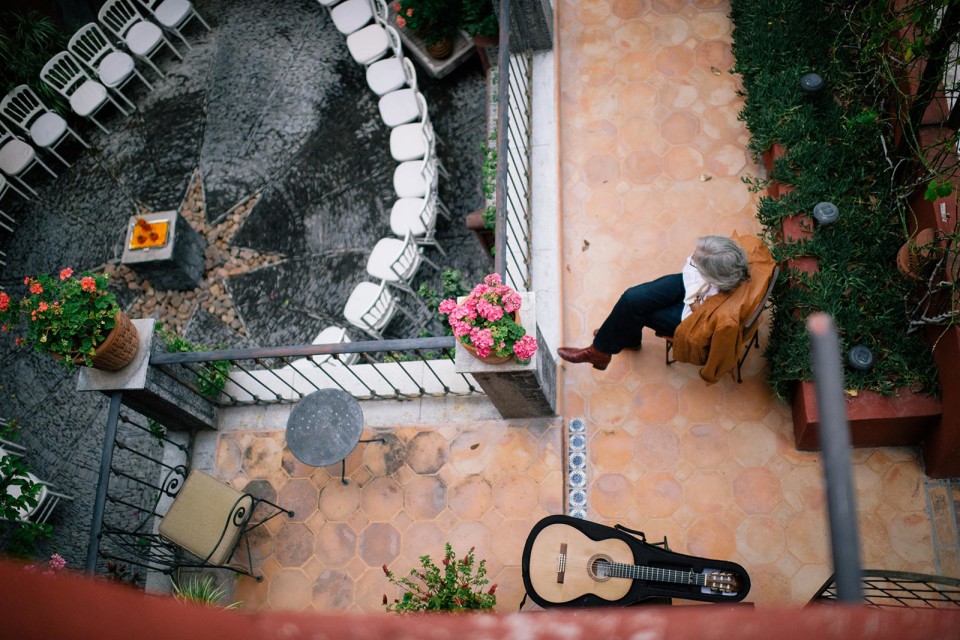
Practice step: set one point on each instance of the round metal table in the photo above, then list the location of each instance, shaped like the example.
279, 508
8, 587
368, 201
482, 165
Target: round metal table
324, 427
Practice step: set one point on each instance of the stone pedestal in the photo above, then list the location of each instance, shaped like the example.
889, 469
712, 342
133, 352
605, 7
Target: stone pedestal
149, 391
517, 390
177, 265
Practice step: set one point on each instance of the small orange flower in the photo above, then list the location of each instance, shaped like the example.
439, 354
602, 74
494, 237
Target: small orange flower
409, 12
43, 306
66, 273
88, 284
36, 288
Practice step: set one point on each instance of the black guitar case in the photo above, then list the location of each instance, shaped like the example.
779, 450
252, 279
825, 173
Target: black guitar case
643, 554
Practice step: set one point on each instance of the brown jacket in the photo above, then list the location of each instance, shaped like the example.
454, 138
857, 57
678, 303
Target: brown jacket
711, 336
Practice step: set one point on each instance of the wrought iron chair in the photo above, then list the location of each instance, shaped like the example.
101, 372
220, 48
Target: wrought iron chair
202, 527
750, 330
898, 589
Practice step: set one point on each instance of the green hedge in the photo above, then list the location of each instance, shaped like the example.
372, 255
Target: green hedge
834, 153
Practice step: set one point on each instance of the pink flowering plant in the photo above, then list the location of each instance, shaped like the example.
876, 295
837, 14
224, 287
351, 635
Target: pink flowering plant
433, 18
63, 314
485, 320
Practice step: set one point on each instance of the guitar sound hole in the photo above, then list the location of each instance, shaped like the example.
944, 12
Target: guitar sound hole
600, 568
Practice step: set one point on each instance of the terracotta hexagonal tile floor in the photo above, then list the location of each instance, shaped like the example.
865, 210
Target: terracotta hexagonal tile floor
711, 467
405, 498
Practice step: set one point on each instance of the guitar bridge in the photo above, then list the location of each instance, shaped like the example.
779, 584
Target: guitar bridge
562, 563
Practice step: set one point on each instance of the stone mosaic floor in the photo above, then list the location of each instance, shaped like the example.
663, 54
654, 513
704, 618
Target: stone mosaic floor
479, 485
652, 156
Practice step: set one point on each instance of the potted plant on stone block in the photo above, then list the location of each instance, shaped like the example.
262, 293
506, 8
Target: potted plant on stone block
459, 584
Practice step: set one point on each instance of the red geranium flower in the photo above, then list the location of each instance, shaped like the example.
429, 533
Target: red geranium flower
36, 288
88, 284
66, 273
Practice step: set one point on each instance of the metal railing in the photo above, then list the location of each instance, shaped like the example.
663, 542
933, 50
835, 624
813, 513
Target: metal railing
900, 589
513, 249
136, 463
373, 370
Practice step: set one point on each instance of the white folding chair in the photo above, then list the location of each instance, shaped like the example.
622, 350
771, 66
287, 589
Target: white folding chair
411, 141
416, 178
3, 256
418, 217
328, 4
400, 107
396, 261
47, 498
64, 73
173, 15
369, 44
45, 128
17, 157
371, 307
351, 15
141, 36
114, 68
393, 73
329, 335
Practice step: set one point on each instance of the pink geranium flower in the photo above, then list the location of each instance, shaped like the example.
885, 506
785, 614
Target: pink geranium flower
525, 347
489, 311
485, 319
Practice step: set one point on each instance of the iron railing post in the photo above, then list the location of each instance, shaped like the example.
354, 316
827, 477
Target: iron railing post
503, 119
103, 483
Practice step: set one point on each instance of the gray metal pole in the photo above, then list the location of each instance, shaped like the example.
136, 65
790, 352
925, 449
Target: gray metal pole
835, 443
106, 461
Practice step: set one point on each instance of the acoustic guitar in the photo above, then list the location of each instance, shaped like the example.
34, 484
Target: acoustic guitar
562, 564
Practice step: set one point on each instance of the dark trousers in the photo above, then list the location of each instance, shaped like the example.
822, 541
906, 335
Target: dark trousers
657, 304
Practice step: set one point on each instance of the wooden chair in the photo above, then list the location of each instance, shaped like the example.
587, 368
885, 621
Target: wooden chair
750, 330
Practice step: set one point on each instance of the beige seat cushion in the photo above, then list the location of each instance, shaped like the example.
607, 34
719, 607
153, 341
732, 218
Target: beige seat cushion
198, 514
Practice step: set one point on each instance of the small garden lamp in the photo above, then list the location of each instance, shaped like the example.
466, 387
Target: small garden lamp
860, 358
811, 83
825, 213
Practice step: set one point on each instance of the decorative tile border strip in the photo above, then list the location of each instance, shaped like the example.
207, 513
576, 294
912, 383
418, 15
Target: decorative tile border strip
577, 469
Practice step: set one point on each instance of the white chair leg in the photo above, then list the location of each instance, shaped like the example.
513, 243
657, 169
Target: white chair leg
202, 21
41, 163
132, 106
142, 79
374, 334
173, 48
81, 140
18, 192
102, 128
2, 256
403, 286
153, 66
443, 169
182, 39
406, 313
432, 242
442, 208
429, 262
7, 216
25, 186
5, 226
57, 156
117, 105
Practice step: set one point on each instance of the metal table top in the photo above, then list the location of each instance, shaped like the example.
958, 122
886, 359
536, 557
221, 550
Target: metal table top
324, 427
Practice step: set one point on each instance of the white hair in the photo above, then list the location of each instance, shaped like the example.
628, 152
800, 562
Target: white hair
721, 261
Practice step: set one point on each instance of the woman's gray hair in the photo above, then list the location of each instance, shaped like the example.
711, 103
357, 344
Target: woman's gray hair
721, 261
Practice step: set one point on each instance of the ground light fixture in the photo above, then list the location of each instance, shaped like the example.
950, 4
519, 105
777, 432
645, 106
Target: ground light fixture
860, 358
811, 83
826, 213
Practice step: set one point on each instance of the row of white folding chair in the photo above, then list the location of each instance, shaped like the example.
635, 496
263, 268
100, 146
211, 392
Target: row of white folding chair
397, 261
113, 67
46, 128
142, 37
64, 73
16, 158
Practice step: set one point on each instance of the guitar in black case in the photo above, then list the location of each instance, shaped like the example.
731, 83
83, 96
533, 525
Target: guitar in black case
575, 563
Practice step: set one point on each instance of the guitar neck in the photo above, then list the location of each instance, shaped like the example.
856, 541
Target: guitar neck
655, 574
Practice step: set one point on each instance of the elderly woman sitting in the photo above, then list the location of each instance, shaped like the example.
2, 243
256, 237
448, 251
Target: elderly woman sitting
700, 307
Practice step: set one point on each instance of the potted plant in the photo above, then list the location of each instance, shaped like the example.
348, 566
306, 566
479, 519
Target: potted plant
479, 21
459, 586
432, 20
486, 322
75, 319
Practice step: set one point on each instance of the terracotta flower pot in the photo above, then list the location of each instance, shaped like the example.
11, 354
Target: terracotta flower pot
491, 359
913, 255
441, 49
119, 347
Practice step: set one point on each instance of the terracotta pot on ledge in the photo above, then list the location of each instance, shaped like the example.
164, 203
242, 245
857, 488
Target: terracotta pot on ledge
440, 49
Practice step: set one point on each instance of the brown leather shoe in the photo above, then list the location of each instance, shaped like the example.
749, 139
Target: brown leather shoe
591, 354
637, 348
